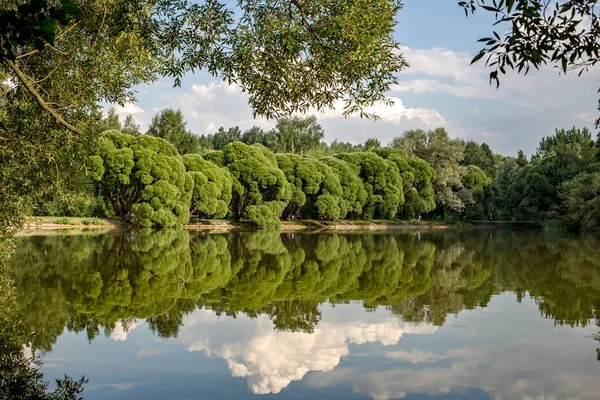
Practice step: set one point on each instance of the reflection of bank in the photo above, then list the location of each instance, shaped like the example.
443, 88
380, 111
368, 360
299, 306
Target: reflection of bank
271, 360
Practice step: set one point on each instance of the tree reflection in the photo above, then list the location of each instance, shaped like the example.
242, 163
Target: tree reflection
90, 283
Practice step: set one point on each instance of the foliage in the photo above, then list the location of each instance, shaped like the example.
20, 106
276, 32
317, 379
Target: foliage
582, 201
260, 190
212, 186
417, 183
170, 126
354, 194
444, 155
143, 176
382, 181
297, 135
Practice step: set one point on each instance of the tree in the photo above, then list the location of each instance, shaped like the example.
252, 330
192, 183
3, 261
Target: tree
223, 137
143, 176
372, 143
212, 186
354, 194
130, 127
582, 201
314, 52
381, 180
539, 33
297, 135
444, 155
170, 126
315, 187
417, 182
522, 159
260, 190
258, 135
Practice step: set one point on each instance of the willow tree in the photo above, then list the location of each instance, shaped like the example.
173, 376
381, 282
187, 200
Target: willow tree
354, 195
212, 186
260, 190
144, 177
314, 185
417, 182
381, 180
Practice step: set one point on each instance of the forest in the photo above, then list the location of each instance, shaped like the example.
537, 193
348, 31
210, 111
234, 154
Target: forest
168, 174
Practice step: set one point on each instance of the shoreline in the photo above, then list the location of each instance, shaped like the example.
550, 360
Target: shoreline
49, 225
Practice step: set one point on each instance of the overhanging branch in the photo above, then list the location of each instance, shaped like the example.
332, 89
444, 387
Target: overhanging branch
41, 102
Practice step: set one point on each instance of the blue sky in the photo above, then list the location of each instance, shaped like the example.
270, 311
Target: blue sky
439, 89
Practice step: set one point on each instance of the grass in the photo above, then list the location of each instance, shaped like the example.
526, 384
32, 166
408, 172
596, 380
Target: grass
79, 221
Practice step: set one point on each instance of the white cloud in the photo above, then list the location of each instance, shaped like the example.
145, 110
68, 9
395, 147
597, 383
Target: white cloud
271, 360
121, 330
128, 109
395, 114
207, 107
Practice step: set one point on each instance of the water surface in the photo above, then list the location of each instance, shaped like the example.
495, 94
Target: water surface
452, 315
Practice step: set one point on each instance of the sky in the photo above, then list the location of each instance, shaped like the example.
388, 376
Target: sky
440, 89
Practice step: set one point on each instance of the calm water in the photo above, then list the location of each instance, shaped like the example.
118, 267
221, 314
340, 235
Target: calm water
171, 315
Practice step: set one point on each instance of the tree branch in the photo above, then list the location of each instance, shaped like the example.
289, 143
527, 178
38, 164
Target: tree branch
24, 80
93, 42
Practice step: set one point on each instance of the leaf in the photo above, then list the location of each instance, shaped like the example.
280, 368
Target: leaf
71, 8
48, 29
477, 57
509, 5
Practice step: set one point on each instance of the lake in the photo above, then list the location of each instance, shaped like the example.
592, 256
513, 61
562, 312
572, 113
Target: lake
412, 315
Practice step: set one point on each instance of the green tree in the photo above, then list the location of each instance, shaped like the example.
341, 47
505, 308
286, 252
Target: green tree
297, 135
258, 135
381, 180
315, 187
444, 155
145, 176
130, 127
212, 186
581, 197
354, 194
260, 190
417, 183
65, 59
170, 126
223, 137
372, 143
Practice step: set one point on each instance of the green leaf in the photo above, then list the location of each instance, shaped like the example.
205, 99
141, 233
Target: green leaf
71, 8
477, 57
48, 29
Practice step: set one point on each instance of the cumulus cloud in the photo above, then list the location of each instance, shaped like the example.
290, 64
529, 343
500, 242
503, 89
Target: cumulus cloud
207, 107
128, 108
271, 360
450, 72
122, 330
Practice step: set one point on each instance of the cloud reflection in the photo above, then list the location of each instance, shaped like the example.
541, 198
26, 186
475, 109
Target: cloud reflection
271, 360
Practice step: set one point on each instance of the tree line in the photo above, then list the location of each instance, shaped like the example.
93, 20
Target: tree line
162, 177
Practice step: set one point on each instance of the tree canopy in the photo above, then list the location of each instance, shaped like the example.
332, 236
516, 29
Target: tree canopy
143, 176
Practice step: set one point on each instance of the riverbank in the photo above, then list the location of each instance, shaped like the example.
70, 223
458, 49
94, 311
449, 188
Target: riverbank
42, 225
